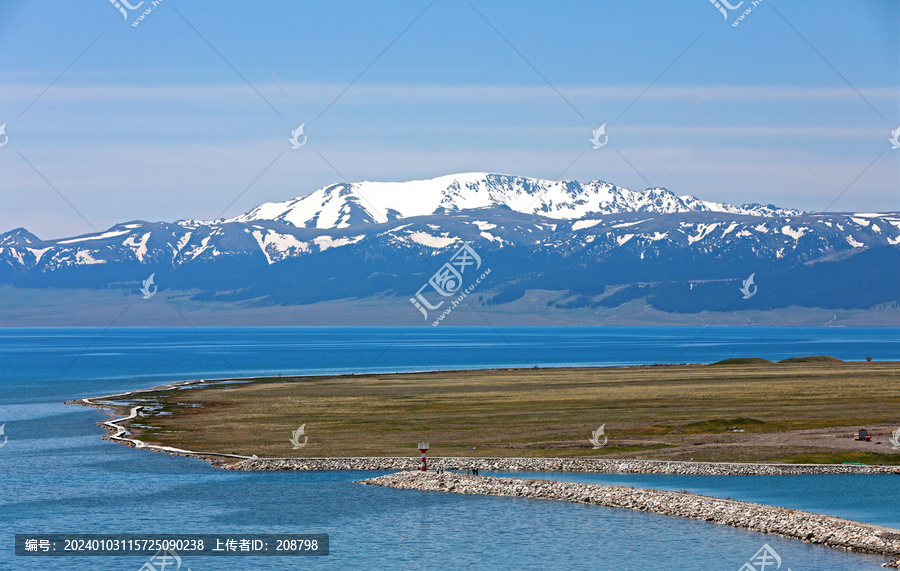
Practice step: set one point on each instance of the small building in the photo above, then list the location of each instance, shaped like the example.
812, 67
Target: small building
861, 434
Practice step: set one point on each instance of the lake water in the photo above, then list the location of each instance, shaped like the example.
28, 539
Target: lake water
58, 477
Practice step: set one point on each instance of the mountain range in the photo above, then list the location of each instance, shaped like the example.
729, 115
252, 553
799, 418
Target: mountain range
583, 245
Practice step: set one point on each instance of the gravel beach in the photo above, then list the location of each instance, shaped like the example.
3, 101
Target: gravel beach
609, 466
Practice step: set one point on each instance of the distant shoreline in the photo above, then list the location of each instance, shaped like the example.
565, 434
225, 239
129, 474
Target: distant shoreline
82, 307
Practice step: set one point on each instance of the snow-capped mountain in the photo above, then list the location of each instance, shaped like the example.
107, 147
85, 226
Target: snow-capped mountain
350, 204
593, 244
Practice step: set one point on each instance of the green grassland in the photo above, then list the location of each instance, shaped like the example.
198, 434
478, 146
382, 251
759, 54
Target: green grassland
723, 412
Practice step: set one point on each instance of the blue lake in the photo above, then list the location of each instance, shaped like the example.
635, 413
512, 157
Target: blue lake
59, 477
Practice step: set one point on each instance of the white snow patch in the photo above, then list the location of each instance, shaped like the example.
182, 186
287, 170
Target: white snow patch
795, 234
624, 224
854, 243
860, 221
581, 224
204, 244
482, 225
427, 239
84, 258
37, 253
182, 242
140, 247
761, 228
97, 237
277, 247
392, 230
16, 254
622, 239
703, 231
325, 242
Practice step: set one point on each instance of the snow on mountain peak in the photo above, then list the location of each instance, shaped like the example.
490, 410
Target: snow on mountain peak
18, 237
348, 204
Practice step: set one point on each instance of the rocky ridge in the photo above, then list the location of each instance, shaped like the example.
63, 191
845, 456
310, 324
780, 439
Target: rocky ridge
556, 465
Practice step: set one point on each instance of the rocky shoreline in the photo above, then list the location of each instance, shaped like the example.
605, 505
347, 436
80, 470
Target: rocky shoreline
555, 465
805, 526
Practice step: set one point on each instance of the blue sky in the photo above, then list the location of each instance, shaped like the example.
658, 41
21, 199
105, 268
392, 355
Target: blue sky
190, 111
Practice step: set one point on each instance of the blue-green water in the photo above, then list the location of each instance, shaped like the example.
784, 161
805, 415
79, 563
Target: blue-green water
57, 476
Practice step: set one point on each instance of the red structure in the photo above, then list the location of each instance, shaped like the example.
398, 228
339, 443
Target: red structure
423, 448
